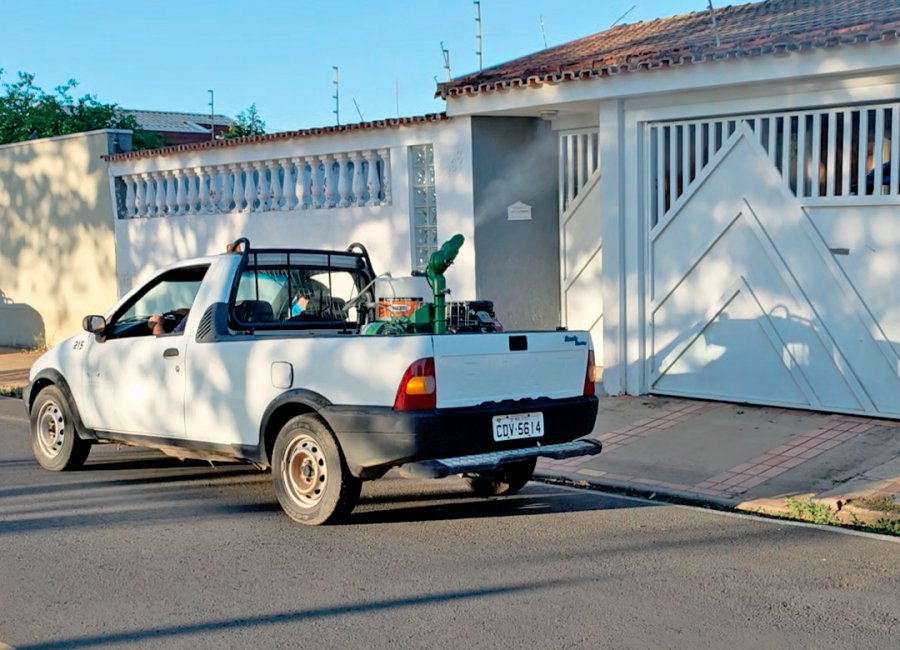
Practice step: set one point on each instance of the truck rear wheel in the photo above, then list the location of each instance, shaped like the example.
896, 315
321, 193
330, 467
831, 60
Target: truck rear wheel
311, 479
54, 441
509, 479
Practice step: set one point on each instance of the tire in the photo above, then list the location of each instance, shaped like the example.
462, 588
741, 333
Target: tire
311, 479
54, 440
509, 479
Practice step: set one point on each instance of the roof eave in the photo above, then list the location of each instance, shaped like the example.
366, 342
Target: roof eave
284, 135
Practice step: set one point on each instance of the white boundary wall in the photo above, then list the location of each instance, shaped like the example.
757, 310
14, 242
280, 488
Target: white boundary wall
145, 244
57, 252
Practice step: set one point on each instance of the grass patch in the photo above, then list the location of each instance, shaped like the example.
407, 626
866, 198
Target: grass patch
805, 509
882, 525
883, 504
11, 391
887, 526
809, 510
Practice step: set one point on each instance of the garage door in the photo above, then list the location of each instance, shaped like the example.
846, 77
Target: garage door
746, 301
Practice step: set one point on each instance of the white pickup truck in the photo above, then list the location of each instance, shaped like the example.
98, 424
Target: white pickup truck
260, 356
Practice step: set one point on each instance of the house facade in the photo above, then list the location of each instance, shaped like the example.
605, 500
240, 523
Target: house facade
728, 198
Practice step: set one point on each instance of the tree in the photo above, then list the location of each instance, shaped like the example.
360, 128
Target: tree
248, 122
28, 112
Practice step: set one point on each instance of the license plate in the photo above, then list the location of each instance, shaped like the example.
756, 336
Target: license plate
521, 425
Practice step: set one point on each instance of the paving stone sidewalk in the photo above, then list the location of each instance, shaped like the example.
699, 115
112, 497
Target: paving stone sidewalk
743, 457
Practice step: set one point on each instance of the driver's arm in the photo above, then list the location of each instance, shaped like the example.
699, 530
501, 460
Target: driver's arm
155, 323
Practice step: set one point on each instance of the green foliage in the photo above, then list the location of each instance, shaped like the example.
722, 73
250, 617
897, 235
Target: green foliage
28, 112
882, 525
806, 509
809, 510
11, 391
140, 139
886, 526
248, 122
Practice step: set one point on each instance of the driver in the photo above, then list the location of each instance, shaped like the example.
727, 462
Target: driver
155, 322
300, 302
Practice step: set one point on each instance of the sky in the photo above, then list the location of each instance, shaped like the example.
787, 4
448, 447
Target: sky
279, 54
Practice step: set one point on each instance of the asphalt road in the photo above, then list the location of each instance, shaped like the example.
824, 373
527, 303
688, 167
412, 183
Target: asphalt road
139, 551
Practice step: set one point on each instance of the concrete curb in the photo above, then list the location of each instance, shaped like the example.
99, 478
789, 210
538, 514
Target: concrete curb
847, 515
634, 489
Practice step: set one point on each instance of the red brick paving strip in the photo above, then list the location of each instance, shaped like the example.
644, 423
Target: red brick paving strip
796, 451
675, 414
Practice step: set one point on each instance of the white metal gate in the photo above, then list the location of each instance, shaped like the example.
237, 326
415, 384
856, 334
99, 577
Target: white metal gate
746, 301
580, 242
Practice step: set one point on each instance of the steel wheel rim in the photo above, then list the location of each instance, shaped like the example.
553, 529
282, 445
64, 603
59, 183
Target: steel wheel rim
304, 470
51, 429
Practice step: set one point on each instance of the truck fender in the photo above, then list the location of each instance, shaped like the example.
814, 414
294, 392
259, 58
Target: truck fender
276, 415
49, 376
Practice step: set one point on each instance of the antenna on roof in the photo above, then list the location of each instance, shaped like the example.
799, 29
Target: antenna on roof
619, 19
397, 95
712, 14
212, 115
478, 32
543, 33
446, 54
337, 94
355, 103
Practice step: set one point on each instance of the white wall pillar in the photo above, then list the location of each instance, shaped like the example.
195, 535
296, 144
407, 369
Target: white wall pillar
635, 267
611, 148
455, 201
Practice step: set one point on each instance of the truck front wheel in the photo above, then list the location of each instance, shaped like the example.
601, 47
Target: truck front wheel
509, 479
311, 479
54, 441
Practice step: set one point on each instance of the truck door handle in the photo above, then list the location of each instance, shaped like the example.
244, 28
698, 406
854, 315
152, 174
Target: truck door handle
170, 353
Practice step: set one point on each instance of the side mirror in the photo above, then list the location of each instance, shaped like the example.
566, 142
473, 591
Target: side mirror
94, 324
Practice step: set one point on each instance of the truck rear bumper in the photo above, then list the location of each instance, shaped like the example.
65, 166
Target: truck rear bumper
374, 439
490, 461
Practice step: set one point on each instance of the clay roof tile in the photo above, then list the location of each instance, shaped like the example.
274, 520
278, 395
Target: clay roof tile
769, 27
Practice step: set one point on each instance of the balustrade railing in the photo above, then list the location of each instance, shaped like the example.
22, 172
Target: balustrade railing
304, 182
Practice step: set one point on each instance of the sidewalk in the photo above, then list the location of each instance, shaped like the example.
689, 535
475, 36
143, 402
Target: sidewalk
751, 458
14, 366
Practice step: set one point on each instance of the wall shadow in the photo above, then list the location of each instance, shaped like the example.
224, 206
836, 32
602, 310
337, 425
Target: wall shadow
21, 325
775, 358
57, 255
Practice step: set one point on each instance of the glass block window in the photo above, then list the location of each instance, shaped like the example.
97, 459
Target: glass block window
424, 205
